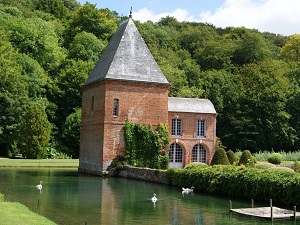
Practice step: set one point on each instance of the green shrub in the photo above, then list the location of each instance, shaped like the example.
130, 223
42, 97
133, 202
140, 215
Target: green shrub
296, 166
220, 157
53, 153
195, 165
246, 159
117, 164
282, 168
262, 155
238, 153
241, 182
264, 165
232, 157
1, 197
275, 158
9, 154
286, 156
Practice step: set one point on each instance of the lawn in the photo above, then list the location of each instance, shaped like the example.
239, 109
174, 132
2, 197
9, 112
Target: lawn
7, 162
16, 213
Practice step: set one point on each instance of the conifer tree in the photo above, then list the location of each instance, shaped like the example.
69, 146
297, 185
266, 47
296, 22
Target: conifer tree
36, 131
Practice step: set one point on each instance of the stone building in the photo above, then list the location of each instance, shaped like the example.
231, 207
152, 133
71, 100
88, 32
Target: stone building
127, 85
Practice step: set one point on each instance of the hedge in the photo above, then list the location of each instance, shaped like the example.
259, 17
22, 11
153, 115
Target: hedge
241, 182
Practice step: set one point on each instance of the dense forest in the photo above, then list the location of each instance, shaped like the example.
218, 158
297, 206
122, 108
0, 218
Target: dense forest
48, 48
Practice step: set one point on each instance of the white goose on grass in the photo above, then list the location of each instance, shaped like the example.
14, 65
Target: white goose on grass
187, 190
154, 199
39, 186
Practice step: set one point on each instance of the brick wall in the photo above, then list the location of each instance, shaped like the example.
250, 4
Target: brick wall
188, 139
92, 127
102, 135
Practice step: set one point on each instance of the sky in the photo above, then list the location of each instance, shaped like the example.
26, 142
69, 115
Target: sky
275, 16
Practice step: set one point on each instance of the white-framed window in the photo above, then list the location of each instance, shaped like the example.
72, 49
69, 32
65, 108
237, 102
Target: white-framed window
176, 127
116, 107
175, 153
201, 128
199, 153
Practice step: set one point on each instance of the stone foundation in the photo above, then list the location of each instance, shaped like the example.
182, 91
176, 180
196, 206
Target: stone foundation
145, 174
89, 168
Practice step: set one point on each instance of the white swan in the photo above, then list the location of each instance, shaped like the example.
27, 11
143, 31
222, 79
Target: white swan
39, 186
154, 199
187, 190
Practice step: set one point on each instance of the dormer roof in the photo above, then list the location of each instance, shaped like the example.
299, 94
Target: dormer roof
127, 58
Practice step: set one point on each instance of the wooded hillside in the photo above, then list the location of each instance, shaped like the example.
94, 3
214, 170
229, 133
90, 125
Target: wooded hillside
48, 48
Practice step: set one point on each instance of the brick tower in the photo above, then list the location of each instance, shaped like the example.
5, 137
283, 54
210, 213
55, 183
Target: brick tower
125, 85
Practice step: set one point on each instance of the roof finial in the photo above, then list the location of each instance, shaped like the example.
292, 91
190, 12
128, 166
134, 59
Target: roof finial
130, 15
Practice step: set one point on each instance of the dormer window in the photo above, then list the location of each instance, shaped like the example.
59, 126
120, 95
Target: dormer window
116, 107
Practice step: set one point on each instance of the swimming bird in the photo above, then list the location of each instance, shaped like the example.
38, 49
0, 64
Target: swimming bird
39, 186
154, 199
187, 190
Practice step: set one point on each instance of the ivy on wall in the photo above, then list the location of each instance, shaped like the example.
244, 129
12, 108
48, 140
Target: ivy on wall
145, 147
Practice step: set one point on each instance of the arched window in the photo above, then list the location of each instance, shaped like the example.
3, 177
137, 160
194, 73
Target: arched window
176, 156
199, 153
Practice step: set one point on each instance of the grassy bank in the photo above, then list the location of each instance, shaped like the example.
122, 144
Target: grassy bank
16, 213
7, 162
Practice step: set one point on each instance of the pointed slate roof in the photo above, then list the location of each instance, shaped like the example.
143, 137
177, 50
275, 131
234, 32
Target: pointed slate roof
192, 105
128, 58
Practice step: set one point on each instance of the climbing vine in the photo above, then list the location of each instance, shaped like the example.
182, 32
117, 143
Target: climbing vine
145, 147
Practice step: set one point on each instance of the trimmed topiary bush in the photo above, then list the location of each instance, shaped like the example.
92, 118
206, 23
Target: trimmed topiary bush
232, 157
296, 166
264, 165
282, 168
246, 159
275, 158
220, 157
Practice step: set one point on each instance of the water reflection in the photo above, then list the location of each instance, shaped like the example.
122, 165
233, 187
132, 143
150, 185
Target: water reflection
68, 198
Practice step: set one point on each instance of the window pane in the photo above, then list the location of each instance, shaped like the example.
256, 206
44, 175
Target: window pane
175, 153
92, 105
194, 154
176, 127
199, 153
178, 153
201, 128
116, 107
171, 153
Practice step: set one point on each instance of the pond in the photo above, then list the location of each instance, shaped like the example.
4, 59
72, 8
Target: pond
68, 198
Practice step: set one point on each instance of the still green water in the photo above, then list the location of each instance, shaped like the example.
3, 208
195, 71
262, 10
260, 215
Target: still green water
68, 198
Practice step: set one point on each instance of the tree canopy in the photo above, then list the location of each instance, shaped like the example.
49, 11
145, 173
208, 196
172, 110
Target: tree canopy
48, 49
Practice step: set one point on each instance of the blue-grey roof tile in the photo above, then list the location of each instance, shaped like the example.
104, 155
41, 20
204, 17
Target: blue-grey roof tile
192, 105
128, 58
